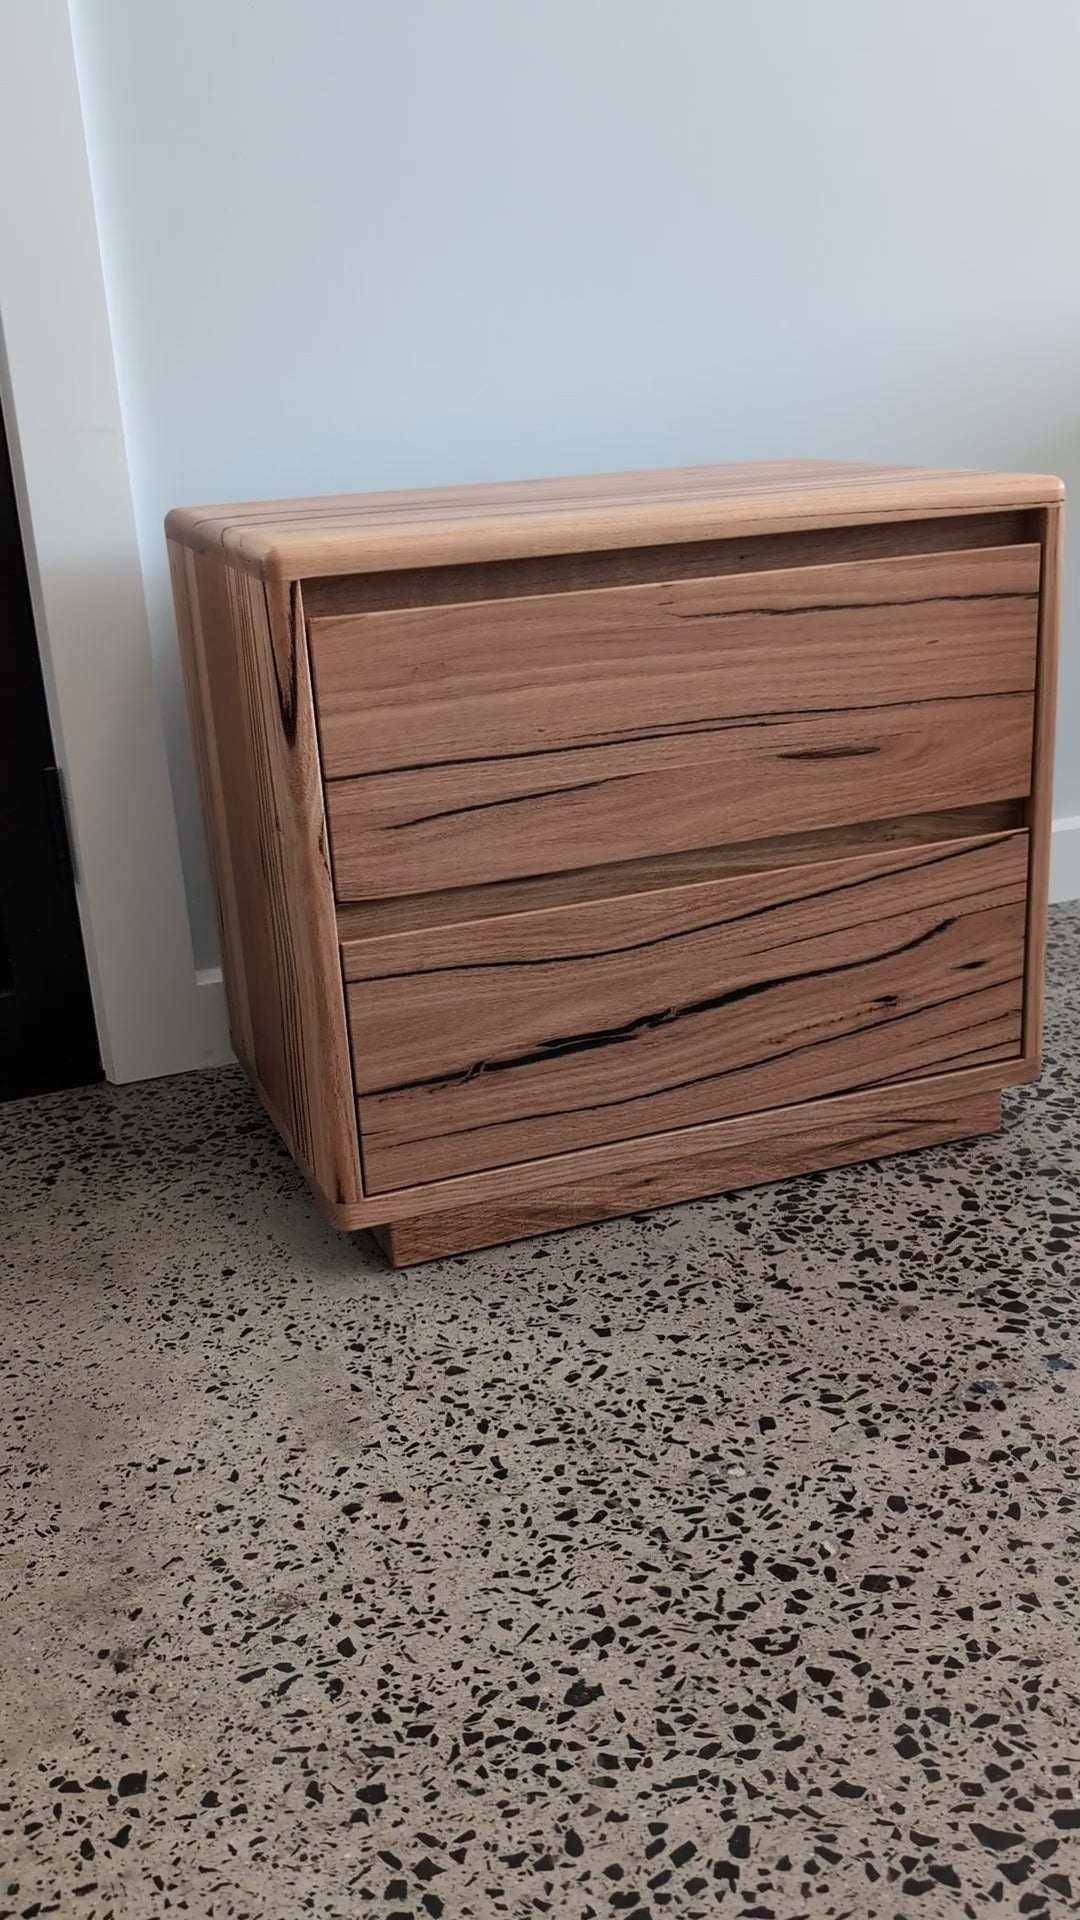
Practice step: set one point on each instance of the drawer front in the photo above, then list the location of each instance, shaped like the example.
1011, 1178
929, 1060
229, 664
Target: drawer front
476, 742
508, 1039
399, 833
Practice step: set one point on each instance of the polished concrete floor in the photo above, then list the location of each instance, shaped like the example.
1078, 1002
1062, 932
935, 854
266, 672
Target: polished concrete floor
725, 1559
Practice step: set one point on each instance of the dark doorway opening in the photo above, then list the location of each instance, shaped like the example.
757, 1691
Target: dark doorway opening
47, 1034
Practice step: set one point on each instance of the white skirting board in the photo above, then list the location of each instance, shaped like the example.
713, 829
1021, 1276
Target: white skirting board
1065, 859
214, 1023
1064, 885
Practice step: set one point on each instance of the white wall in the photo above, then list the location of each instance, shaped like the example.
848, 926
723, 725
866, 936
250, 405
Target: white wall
58, 392
369, 243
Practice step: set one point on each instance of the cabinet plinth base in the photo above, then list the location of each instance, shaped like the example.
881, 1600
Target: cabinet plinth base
794, 1149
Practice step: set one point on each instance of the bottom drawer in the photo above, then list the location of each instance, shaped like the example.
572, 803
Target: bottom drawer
485, 1043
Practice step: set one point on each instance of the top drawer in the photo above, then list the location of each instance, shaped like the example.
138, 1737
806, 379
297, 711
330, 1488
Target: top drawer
469, 742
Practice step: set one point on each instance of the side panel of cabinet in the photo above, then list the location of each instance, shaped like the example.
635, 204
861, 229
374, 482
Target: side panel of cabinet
249, 697
1040, 804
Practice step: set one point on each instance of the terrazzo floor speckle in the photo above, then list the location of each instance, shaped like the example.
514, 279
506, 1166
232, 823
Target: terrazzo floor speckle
723, 1559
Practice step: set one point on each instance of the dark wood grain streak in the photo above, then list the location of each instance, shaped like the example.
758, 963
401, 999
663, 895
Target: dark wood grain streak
996, 1032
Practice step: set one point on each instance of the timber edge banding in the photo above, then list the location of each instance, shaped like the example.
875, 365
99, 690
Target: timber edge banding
358, 533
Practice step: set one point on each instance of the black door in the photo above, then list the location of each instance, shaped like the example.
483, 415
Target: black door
47, 1036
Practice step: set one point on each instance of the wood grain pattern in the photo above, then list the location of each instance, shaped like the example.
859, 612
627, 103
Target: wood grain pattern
557, 732
806, 1139
365, 533
689, 828
506, 1040
1041, 802
395, 833
362, 919
422, 686
249, 690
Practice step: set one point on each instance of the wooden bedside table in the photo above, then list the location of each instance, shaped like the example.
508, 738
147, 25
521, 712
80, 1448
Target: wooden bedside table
586, 845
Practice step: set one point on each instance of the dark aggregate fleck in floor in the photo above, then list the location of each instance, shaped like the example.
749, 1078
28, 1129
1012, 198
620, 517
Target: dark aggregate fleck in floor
724, 1559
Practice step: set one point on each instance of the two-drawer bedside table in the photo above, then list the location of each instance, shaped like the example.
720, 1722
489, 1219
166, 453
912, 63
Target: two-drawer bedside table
586, 845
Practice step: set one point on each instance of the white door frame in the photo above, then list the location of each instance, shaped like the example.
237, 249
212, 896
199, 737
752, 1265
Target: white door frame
61, 408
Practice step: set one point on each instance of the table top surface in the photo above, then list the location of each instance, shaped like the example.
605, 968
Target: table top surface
373, 532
